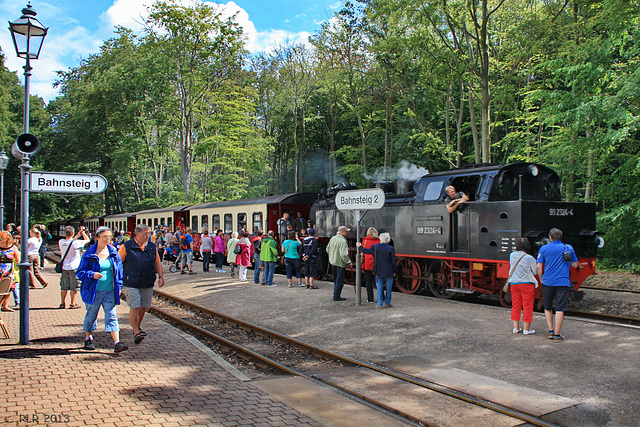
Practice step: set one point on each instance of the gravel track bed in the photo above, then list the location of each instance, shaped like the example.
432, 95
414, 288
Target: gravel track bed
290, 356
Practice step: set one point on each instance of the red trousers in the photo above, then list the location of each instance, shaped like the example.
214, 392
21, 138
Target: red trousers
522, 299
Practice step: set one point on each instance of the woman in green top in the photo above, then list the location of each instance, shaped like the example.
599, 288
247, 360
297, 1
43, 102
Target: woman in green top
290, 248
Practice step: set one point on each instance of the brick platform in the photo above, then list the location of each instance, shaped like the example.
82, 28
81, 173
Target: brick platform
165, 381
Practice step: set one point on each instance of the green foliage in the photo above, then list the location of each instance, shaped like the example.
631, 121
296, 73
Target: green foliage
622, 237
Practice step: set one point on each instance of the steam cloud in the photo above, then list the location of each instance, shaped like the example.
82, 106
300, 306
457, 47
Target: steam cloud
404, 170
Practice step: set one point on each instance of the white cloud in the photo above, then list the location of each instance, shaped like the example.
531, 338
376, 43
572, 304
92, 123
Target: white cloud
69, 41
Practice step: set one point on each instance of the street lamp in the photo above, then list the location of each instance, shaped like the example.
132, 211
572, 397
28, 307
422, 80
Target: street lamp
28, 35
4, 162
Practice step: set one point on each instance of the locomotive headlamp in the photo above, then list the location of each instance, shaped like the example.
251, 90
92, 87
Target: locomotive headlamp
534, 170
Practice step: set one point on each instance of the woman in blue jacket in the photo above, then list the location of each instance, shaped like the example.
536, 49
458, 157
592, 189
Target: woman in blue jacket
100, 272
384, 261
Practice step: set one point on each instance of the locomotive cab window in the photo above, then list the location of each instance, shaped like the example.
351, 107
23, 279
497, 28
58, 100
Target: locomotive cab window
433, 191
467, 184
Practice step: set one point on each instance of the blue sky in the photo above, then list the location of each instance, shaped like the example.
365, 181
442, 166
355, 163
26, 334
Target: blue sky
78, 28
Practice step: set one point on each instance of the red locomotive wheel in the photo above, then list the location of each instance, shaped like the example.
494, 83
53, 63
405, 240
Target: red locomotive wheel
438, 279
408, 276
505, 298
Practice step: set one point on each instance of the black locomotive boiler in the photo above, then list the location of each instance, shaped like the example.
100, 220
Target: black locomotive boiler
467, 251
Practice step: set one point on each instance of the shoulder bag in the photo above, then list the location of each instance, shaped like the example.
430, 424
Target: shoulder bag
58, 267
507, 286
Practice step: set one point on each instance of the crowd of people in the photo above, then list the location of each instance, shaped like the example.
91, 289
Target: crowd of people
102, 266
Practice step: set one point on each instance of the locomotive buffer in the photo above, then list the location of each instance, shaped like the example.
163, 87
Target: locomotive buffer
358, 202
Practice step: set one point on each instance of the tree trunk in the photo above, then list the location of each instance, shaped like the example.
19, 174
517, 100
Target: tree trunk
474, 127
459, 127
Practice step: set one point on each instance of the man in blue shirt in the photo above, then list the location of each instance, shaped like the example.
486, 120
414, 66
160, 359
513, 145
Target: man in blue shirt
186, 248
554, 270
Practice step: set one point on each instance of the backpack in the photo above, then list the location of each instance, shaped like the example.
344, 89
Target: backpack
174, 240
238, 249
257, 244
183, 243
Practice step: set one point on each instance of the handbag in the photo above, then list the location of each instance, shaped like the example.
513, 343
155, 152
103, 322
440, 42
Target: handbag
507, 286
58, 267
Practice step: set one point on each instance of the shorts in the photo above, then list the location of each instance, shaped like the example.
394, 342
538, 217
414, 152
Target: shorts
558, 293
69, 281
139, 297
187, 257
310, 268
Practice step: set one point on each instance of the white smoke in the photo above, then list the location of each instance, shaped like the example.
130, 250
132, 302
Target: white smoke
404, 169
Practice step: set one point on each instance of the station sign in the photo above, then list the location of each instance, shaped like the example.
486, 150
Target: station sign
371, 198
65, 183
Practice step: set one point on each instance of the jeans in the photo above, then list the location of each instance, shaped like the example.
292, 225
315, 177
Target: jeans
269, 269
338, 280
206, 259
219, 259
293, 264
43, 254
107, 300
16, 293
369, 279
384, 285
256, 273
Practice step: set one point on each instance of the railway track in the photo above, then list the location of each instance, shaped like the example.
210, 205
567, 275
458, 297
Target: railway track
631, 291
285, 354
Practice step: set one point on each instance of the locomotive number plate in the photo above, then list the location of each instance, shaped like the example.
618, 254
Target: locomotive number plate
560, 212
429, 230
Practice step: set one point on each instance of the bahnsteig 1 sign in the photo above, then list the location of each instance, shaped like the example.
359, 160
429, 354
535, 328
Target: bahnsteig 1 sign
67, 183
358, 202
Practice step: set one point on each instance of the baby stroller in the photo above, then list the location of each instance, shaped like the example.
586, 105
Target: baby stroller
169, 256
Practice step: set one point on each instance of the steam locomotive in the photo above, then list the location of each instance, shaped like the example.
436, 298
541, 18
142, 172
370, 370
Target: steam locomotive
467, 251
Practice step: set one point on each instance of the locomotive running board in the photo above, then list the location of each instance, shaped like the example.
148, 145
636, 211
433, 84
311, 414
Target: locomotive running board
460, 291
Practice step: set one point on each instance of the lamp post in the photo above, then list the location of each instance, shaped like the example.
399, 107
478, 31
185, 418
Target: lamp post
4, 162
28, 35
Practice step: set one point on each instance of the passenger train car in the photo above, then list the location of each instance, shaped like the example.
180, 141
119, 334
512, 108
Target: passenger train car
467, 251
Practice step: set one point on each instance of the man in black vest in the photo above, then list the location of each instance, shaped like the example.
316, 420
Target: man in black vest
140, 263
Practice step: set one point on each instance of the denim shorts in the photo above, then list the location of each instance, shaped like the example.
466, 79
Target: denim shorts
138, 297
187, 257
293, 264
106, 300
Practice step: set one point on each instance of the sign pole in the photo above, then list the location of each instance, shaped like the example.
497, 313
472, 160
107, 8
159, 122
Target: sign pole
357, 202
357, 216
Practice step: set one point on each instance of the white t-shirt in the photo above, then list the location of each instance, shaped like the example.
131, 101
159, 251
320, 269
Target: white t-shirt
526, 271
72, 261
33, 247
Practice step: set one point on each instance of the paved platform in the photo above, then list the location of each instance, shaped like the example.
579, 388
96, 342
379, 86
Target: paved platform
168, 380
589, 380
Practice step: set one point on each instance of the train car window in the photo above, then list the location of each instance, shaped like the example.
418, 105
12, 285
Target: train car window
228, 223
204, 220
194, 223
169, 222
120, 226
257, 222
155, 222
242, 221
215, 219
468, 185
433, 190
139, 221
149, 222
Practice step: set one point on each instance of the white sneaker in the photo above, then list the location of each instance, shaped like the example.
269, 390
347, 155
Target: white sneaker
516, 331
530, 332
